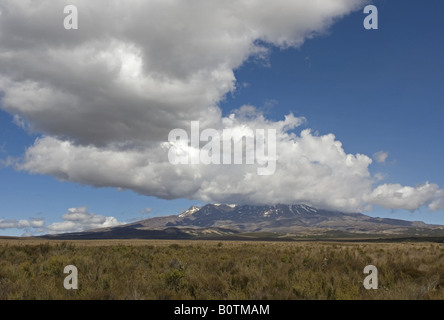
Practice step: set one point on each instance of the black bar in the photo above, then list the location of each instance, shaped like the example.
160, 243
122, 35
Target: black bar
225, 309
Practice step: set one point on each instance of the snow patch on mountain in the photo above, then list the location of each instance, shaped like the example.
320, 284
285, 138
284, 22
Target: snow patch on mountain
189, 212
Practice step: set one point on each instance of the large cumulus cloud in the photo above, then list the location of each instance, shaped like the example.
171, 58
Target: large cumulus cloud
106, 96
132, 71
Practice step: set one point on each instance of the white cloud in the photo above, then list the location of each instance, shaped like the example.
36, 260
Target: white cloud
396, 196
133, 72
310, 168
438, 201
146, 211
380, 156
17, 120
22, 224
78, 219
30, 226
107, 95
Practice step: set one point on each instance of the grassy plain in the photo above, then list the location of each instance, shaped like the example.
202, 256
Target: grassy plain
209, 270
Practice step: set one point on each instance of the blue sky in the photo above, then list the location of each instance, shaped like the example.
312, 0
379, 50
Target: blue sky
375, 90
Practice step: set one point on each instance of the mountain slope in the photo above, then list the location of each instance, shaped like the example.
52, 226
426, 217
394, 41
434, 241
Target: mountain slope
215, 220
283, 218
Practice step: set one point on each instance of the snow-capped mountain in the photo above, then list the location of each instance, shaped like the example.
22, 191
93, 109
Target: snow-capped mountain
222, 220
282, 218
189, 212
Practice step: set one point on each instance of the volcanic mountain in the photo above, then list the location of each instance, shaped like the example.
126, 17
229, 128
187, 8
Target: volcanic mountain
221, 220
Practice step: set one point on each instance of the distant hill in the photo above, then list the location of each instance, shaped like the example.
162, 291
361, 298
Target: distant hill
253, 221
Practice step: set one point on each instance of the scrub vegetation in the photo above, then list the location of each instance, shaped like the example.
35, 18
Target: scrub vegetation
161, 269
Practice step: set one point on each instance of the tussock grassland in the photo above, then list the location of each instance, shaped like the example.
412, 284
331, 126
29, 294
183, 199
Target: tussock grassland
154, 269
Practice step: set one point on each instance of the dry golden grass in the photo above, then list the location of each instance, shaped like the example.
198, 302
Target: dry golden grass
162, 269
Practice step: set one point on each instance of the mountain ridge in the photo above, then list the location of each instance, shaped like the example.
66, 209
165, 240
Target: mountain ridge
217, 220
